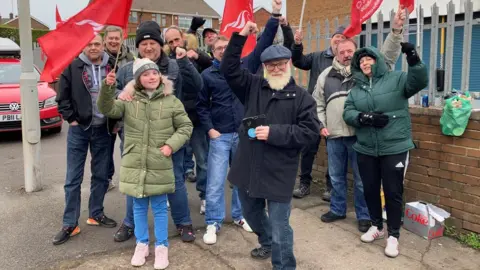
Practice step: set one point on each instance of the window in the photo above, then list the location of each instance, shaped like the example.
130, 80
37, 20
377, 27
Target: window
184, 21
157, 18
208, 23
10, 73
133, 17
164, 20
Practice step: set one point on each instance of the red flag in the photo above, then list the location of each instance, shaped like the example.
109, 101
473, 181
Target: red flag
409, 4
235, 15
361, 11
62, 45
124, 28
58, 19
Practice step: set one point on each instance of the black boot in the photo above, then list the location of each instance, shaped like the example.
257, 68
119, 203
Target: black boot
123, 234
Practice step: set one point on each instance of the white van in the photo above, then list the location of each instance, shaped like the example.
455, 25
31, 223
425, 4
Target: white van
8, 48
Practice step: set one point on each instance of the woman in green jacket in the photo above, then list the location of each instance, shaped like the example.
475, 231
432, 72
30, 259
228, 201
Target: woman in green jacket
378, 109
156, 125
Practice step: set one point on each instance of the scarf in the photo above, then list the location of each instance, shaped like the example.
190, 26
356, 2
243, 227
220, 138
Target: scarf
216, 63
344, 70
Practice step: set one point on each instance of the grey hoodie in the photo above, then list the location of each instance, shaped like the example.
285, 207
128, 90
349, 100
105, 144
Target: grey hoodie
96, 74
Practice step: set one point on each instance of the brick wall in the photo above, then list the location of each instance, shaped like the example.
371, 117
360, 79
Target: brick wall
443, 170
261, 17
318, 10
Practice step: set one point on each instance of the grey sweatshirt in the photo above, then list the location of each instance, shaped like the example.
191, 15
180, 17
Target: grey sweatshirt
96, 74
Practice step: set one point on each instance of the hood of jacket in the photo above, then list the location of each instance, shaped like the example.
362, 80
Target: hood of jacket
378, 69
165, 88
87, 61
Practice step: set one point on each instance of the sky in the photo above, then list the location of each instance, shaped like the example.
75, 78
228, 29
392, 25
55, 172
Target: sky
44, 10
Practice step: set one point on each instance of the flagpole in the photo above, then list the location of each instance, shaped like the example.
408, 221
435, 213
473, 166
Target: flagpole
29, 103
301, 15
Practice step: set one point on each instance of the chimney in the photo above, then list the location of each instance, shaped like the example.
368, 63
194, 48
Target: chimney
11, 16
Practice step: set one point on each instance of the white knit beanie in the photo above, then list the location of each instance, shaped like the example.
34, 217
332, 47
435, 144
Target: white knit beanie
141, 65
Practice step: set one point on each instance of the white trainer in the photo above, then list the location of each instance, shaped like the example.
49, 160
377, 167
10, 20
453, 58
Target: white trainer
203, 207
243, 223
391, 250
210, 237
372, 234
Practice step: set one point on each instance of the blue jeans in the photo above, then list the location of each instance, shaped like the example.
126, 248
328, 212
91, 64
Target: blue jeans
273, 231
221, 149
340, 152
189, 164
78, 142
178, 200
160, 218
199, 142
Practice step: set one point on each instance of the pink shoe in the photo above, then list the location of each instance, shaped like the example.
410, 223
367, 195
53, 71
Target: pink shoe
141, 252
161, 257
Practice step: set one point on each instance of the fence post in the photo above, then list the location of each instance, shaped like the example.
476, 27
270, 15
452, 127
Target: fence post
419, 43
327, 34
467, 45
368, 34
380, 31
433, 56
406, 31
317, 35
449, 48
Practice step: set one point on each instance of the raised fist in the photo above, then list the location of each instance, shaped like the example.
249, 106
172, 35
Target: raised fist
111, 78
276, 6
249, 29
298, 37
180, 52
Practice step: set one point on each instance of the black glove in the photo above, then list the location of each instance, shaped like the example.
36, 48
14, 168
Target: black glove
197, 22
378, 120
412, 55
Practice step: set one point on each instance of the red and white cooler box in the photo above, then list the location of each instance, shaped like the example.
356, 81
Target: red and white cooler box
425, 220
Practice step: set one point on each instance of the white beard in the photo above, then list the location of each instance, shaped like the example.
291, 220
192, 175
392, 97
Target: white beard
279, 82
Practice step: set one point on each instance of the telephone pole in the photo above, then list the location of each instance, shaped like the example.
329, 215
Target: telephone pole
29, 103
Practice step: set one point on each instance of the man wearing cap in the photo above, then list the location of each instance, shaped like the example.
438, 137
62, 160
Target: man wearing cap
209, 35
280, 119
316, 62
149, 43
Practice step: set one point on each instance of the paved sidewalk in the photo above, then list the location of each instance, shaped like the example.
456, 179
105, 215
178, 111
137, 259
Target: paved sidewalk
317, 246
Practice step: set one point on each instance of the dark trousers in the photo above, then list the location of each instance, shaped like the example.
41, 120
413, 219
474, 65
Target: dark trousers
111, 162
306, 165
78, 143
273, 231
392, 170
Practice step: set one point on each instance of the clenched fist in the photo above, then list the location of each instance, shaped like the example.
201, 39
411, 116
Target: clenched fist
298, 37
111, 78
181, 53
249, 29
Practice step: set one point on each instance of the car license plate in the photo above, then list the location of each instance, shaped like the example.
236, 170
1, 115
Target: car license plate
10, 117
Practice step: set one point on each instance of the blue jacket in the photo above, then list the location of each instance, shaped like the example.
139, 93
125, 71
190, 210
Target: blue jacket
252, 61
217, 105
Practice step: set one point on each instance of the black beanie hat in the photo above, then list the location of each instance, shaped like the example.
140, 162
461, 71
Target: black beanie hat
148, 30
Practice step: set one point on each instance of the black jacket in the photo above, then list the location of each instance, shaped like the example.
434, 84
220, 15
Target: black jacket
267, 169
191, 84
74, 99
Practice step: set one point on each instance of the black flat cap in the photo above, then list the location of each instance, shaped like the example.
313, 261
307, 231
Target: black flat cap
275, 52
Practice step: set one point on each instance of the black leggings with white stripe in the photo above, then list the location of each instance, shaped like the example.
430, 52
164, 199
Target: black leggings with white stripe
391, 169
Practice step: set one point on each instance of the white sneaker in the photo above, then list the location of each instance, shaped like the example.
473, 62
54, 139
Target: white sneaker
372, 234
243, 223
210, 237
391, 250
203, 207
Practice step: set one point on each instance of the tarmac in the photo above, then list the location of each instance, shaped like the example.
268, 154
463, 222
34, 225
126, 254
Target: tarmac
29, 222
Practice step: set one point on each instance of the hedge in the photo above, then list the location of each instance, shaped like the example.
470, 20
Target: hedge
13, 33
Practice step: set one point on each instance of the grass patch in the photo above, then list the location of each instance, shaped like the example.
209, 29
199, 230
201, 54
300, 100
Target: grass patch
469, 239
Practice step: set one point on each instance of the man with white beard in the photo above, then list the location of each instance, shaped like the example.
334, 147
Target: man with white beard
280, 119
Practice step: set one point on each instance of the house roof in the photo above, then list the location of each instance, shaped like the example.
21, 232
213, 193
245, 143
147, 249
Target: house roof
176, 7
260, 6
5, 21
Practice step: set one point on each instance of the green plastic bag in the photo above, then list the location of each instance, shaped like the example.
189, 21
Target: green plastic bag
455, 114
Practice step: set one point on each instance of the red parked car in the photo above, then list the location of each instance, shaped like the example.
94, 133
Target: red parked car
10, 106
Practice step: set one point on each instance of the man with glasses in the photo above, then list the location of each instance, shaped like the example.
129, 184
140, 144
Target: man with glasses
220, 113
280, 119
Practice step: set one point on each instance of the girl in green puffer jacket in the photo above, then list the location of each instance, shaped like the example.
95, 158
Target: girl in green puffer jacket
377, 106
156, 125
